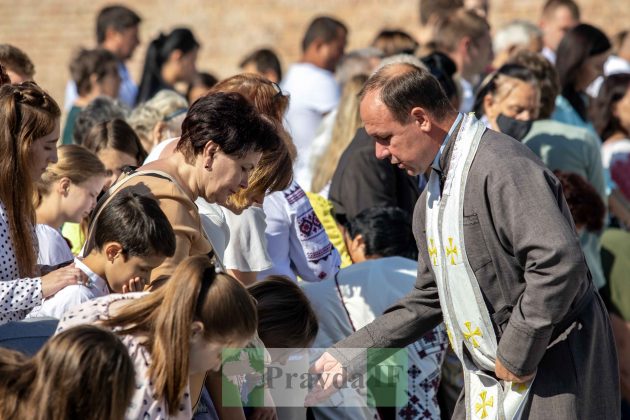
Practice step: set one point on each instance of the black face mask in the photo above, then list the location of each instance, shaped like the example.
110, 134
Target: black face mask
514, 128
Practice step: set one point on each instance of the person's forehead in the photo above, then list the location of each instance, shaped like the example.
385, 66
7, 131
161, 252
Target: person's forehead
563, 16
372, 107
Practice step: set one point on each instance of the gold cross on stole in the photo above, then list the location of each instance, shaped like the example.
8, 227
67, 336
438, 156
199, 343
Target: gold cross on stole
451, 251
433, 252
480, 408
470, 334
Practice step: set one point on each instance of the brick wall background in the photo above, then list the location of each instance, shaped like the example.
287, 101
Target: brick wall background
51, 30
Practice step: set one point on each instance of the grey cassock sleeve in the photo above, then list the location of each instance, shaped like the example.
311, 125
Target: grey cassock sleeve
533, 222
402, 323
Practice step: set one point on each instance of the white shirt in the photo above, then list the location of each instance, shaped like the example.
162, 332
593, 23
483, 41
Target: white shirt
613, 65
214, 224
158, 149
70, 296
53, 248
246, 249
314, 92
549, 54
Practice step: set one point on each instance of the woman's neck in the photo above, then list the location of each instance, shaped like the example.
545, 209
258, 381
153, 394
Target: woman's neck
48, 213
617, 135
169, 76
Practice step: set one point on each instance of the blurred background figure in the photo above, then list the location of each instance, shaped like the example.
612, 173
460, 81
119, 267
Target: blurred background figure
431, 13
611, 116
116, 31
95, 73
264, 62
581, 57
158, 119
170, 59
312, 86
619, 61
509, 101
481, 7
16, 63
465, 37
200, 85
558, 17
100, 109
394, 41
516, 35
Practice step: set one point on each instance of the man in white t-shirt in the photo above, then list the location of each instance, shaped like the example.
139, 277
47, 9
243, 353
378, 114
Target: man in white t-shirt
312, 86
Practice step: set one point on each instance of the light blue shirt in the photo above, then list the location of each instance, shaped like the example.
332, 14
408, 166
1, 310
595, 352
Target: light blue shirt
126, 94
436, 162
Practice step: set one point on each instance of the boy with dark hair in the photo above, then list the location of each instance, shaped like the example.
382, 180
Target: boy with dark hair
95, 73
116, 19
131, 236
264, 62
16, 63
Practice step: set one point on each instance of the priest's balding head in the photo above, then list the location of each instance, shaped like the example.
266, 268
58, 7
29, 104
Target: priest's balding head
406, 111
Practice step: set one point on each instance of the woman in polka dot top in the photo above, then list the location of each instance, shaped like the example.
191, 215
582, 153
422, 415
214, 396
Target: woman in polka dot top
29, 130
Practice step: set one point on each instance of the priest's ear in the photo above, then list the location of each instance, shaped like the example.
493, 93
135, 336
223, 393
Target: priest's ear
421, 118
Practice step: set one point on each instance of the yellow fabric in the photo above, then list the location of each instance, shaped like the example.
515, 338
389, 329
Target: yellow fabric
72, 232
323, 209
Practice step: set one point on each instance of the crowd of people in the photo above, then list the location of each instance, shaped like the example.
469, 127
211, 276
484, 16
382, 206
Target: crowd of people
461, 193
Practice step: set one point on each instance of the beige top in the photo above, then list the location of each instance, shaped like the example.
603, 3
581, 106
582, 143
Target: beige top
180, 210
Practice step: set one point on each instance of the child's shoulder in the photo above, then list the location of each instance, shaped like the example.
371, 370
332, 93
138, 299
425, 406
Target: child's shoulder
85, 312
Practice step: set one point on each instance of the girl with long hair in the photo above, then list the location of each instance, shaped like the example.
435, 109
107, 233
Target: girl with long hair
610, 112
117, 146
170, 59
67, 192
178, 331
82, 373
29, 131
581, 57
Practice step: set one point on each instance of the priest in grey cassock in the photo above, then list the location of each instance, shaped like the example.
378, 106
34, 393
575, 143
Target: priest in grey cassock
499, 262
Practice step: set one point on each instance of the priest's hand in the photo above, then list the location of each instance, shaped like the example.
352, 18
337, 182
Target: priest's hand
503, 373
333, 376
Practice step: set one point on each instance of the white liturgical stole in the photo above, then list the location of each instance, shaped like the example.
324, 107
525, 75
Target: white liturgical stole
466, 316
